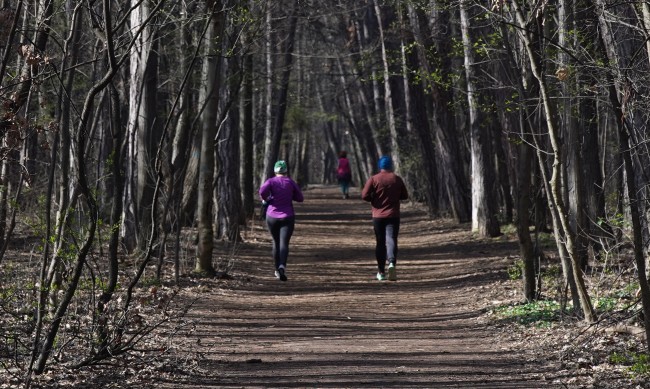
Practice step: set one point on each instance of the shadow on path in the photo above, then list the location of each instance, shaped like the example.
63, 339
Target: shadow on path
332, 325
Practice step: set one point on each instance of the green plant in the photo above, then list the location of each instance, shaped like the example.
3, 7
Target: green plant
641, 364
150, 281
516, 270
617, 358
509, 229
546, 240
638, 363
542, 312
605, 304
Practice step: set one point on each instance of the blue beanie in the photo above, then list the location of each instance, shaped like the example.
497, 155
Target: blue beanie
385, 163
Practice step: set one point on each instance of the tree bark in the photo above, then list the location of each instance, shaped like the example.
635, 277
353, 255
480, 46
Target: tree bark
143, 128
205, 208
283, 94
618, 93
454, 180
484, 209
388, 94
557, 197
246, 113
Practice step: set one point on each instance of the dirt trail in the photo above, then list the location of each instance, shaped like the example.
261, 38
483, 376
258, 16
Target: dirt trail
333, 325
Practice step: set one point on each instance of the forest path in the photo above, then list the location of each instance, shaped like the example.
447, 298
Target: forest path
333, 325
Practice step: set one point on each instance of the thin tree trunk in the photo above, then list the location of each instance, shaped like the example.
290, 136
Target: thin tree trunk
283, 93
228, 216
525, 87
116, 213
388, 95
455, 182
523, 222
557, 196
208, 137
37, 365
246, 137
365, 133
419, 122
268, 102
484, 207
144, 87
574, 187
618, 91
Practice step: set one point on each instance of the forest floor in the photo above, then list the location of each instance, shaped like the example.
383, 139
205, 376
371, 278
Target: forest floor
333, 325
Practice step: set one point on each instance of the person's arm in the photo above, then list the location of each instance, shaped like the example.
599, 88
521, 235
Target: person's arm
404, 194
265, 190
297, 193
368, 190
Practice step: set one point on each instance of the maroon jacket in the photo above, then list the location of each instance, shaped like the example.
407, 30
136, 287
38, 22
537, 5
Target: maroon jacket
384, 191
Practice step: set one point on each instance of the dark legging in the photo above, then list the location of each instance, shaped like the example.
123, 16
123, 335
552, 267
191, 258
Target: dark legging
386, 231
281, 231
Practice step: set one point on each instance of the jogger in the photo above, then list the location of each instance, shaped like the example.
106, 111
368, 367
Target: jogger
384, 191
279, 193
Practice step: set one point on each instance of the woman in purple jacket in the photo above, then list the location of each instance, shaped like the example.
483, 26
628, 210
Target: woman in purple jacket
280, 192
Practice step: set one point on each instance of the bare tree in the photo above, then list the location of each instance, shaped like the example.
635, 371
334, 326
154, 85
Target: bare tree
211, 73
484, 207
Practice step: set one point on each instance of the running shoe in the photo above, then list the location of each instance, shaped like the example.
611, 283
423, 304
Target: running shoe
283, 277
392, 272
381, 276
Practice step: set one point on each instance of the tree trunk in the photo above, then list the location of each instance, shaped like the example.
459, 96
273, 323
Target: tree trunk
116, 212
228, 216
530, 271
205, 210
143, 129
361, 130
388, 95
455, 183
268, 102
39, 358
573, 134
618, 93
283, 94
557, 197
417, 112
246, 141
484, 207
528, 91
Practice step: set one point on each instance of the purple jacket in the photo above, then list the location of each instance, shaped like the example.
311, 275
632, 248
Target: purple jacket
280, 192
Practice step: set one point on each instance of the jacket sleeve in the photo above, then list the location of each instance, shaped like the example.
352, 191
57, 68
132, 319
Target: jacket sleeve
368, 190
404, 194
297, 193
265, 190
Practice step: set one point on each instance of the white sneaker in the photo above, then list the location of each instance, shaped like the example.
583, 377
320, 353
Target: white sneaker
392, 272
381, 276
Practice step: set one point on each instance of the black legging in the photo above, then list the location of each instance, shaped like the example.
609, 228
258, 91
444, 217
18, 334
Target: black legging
386, 231
281, 231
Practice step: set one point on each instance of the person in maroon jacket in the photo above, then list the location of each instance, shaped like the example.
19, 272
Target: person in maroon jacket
344, 174
384, 191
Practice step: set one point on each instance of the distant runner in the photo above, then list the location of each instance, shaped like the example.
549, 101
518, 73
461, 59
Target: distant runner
344, 174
